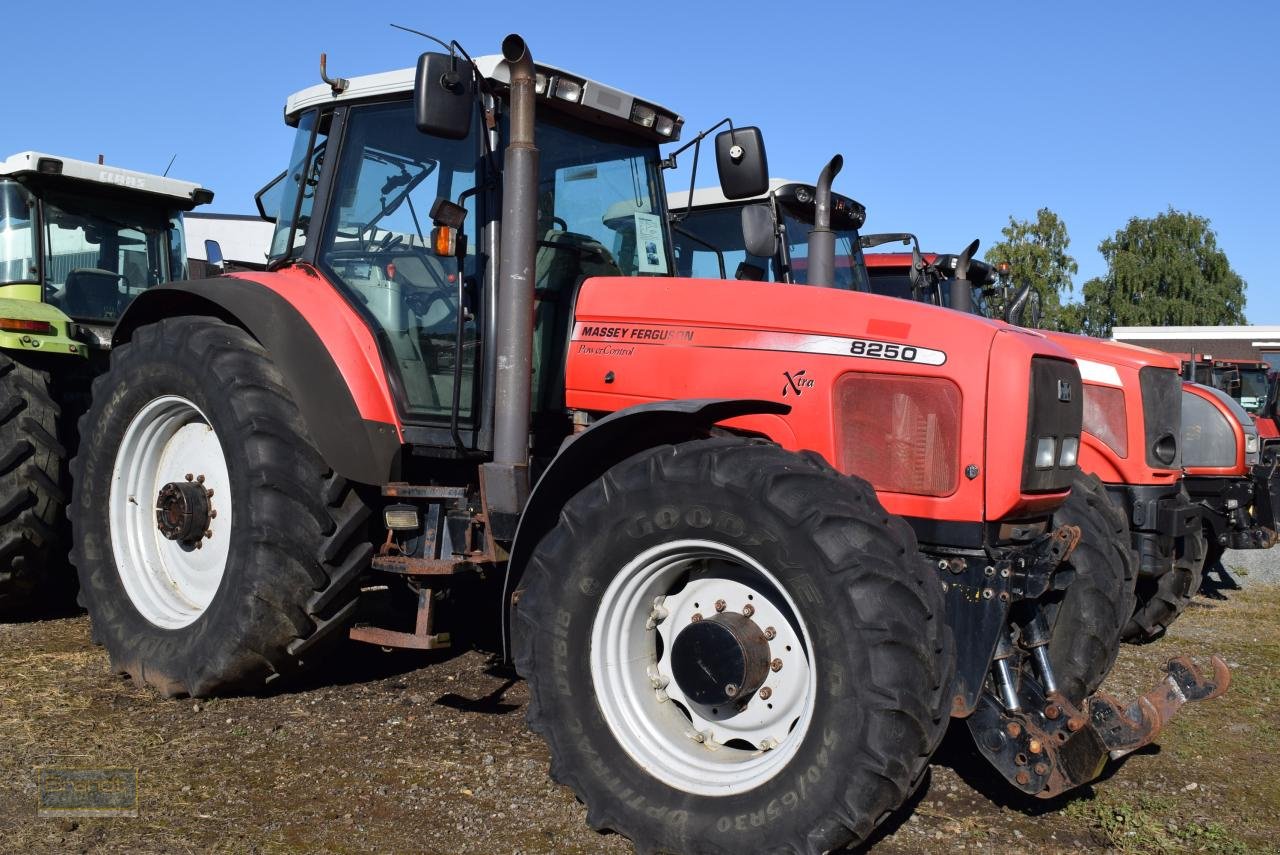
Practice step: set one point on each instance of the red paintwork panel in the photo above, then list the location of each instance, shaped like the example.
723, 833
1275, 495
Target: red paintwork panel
637, 340
344, 333
1266, 427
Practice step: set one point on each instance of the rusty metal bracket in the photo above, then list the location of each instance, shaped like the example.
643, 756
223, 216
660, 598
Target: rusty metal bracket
1126, 730
422, 638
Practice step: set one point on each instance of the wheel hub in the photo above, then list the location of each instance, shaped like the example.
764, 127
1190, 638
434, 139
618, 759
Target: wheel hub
183, 511
720, 660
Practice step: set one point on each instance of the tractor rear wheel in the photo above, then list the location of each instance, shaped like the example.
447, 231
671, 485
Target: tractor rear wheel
1162, 599
215, 549
32, 463
728, 642
1086, 620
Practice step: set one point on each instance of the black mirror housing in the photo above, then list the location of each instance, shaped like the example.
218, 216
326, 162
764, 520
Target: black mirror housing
759, 231
741, 162
443, 96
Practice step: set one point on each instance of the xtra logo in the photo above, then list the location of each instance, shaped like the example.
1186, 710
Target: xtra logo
796, 383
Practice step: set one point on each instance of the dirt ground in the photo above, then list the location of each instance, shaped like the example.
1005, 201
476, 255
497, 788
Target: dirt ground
429, 753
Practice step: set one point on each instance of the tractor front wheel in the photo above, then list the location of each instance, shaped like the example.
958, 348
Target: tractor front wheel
730, 646
1162, 599
215, 549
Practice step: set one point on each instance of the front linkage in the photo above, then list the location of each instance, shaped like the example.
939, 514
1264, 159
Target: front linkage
1042, 742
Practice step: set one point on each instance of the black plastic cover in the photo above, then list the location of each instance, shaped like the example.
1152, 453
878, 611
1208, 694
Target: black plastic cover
1162, 416
1056, 409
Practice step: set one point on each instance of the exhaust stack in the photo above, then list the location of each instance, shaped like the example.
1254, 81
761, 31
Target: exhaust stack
506, 479
822, 241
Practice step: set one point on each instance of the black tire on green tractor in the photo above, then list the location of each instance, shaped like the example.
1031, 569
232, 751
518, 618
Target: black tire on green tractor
32, 468
1086, 620
193, 428
1161, 600
726, 640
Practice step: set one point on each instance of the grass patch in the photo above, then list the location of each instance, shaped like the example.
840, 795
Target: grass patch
1149, 823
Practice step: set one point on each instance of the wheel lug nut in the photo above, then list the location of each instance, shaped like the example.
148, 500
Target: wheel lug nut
720, 605
208, 492
208, 532
766, 693
697, 616
776, 665
190, 477
731, 691
213, 515
199, 479
770, 633
748, 610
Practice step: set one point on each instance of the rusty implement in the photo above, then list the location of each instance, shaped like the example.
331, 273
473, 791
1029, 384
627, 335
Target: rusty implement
1049, 746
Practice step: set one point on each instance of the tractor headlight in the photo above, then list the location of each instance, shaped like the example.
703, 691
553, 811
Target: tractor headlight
1250, 443
1070, 451
665, 125
569, 90
1044, 452
401, 518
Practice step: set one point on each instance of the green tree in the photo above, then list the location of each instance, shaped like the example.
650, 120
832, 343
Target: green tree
1036, 251
1165, 270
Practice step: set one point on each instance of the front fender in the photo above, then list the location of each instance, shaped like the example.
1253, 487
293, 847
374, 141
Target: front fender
586, 456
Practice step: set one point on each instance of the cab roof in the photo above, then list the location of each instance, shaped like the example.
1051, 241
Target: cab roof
594, 95
67, 171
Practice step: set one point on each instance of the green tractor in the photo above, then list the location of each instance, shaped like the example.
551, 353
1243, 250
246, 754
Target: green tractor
78, 241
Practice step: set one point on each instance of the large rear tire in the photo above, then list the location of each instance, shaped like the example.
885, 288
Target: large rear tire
642, 560
194, 406
1161, 600
1088, 618
32, 466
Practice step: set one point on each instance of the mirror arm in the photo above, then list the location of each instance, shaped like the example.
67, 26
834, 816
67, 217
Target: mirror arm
669, 162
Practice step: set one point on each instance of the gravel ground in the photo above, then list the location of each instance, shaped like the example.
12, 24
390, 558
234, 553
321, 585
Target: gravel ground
1248, 567
429, 753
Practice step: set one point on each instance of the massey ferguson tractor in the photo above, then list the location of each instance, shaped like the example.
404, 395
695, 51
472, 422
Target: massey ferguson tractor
1131, 395
78, 241
755, 544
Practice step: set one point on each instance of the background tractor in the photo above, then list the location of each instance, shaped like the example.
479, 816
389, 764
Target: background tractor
755, 544
78, 241
1131, 397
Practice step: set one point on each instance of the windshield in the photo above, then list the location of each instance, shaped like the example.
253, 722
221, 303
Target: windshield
281, 201
708, 244
17, 234
896, 282
1253, 388
850, 272
100, 253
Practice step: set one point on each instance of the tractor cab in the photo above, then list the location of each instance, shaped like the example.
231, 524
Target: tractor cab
406, 226
87, 238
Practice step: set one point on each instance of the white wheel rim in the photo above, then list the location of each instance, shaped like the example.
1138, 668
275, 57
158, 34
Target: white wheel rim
687, 747
170, 583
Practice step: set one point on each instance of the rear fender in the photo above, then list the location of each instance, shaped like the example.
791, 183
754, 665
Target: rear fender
586, 456
327, 355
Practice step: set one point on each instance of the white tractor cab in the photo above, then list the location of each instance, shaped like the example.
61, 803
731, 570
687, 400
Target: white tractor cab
86, 238
78, 241
764, 237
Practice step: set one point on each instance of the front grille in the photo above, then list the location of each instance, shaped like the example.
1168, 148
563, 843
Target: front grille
902, 434
1162, 416
1055, 409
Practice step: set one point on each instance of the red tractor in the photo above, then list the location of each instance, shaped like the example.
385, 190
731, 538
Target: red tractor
778, 535
1131, 395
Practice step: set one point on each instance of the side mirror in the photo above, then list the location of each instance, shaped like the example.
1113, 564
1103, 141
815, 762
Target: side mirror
1024, 309
759, 231
213, 259
740, 159
443, 96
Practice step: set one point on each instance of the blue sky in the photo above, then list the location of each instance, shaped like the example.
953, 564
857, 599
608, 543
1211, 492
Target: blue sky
950, 117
